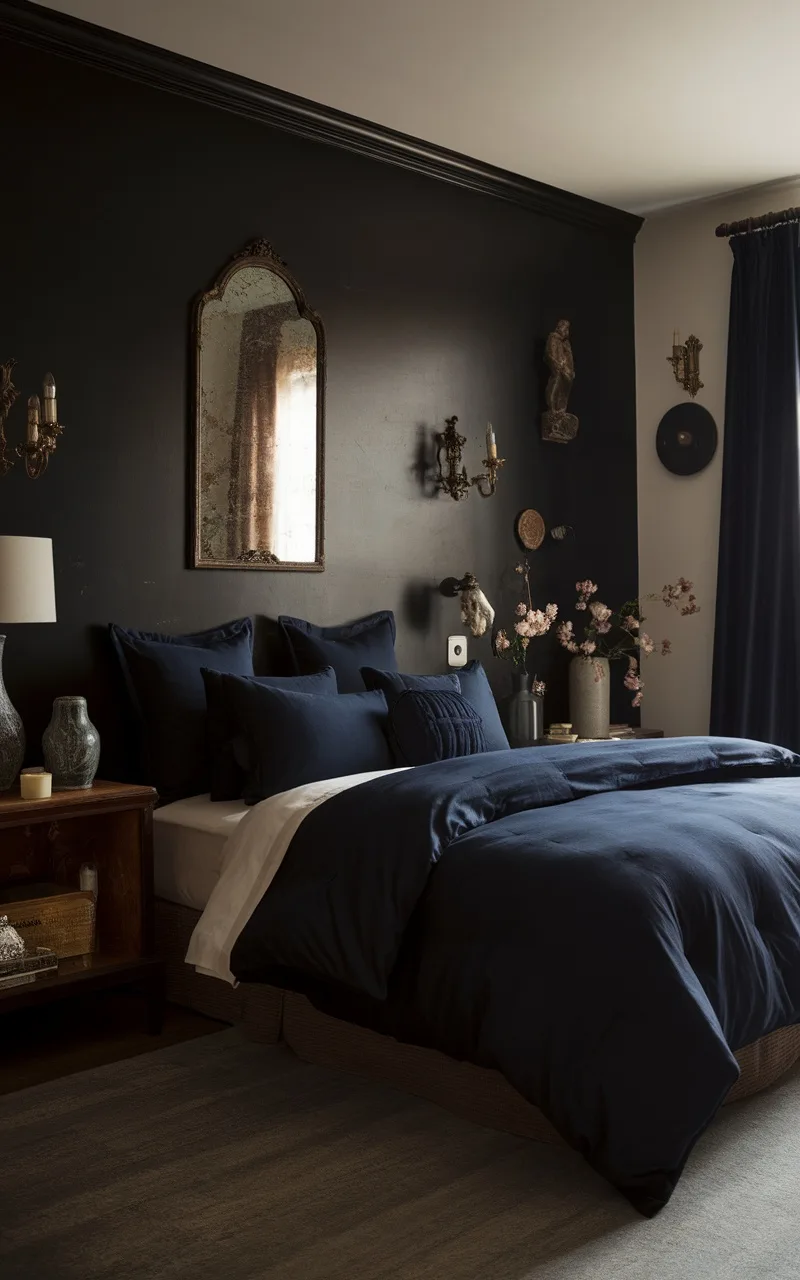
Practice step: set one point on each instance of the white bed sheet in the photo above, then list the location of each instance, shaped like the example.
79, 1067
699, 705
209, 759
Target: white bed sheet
189, 839
250, 861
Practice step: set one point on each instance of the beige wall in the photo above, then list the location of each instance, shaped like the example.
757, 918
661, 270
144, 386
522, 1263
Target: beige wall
683, 282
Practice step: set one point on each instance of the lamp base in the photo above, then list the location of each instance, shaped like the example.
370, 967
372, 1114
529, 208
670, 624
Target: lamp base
12, 734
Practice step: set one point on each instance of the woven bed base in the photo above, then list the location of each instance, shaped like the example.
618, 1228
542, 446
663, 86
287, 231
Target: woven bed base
268, 1015
255, 1007
475, 1093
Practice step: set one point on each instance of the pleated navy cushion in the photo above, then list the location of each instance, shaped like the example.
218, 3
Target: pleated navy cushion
434, 724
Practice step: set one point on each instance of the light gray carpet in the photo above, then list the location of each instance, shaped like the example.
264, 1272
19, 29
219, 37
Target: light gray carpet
218, 1158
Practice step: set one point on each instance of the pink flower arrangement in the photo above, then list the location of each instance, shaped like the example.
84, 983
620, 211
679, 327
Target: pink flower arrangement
618, 634
529, 625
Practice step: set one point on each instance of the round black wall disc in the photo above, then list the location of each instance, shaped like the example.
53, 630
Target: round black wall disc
686, 439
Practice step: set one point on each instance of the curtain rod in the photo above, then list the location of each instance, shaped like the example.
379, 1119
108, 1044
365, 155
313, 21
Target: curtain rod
761, 223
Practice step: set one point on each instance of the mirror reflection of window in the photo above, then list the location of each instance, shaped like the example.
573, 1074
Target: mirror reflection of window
295, 530
259, 425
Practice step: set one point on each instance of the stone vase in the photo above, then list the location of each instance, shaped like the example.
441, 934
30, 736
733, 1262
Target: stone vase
71, 745
12, 734
590, 697
524, 713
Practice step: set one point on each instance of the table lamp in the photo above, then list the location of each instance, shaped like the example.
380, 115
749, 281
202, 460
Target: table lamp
27, 594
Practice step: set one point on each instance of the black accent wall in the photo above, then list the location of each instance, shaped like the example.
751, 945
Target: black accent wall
120, 202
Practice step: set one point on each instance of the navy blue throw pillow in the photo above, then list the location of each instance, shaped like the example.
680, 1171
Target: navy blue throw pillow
430, 725
393, 683
164, 680
227, 774
471, 680
366, 643
477, 690
294, 738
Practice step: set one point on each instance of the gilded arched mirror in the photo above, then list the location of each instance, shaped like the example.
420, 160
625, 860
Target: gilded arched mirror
258, 420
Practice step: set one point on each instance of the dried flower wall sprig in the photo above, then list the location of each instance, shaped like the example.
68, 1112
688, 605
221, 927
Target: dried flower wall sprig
530, 624
617, 634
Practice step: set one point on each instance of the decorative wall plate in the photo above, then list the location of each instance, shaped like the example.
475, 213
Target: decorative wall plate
686, 439
530, 529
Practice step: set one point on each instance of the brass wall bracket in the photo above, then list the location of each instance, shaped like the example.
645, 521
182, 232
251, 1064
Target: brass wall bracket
8, 394
685, 361
455, 480
41, 437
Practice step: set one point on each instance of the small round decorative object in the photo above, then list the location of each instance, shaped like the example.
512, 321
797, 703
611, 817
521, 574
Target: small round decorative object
686, 439
530, 529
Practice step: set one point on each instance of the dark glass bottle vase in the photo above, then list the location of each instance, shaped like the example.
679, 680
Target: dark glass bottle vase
524, 713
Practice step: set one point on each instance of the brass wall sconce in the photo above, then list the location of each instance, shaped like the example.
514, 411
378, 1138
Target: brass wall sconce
476, 612
42, 430
455, 481
685, 361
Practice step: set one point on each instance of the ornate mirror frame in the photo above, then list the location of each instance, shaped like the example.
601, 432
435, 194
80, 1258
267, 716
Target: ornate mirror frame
258, 253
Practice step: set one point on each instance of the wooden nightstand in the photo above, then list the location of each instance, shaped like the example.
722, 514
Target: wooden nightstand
111, 825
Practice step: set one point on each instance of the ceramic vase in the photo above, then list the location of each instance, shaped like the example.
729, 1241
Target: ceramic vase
590, 697
12, 734
71, 745
524, 713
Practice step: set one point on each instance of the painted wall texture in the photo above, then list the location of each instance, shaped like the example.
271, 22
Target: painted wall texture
436, 300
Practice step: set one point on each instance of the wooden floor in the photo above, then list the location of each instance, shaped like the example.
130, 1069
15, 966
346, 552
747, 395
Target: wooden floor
218, 1159
58, 1039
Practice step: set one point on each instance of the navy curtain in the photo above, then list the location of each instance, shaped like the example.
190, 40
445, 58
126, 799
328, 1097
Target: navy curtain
756, 681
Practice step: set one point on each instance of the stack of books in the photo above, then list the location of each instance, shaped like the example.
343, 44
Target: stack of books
41, 963
561, 733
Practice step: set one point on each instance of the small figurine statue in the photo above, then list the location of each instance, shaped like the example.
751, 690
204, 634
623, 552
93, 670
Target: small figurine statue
557, 424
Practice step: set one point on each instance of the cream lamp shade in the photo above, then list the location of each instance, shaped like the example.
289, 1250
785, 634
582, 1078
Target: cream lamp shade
27, 590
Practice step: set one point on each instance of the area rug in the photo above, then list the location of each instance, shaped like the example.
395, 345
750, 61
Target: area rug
218, 1158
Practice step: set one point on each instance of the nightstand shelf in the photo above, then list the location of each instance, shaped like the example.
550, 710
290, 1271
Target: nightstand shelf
110, 824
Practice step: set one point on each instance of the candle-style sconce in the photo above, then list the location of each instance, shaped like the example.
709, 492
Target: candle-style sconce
455, 481
685, 361
42, 429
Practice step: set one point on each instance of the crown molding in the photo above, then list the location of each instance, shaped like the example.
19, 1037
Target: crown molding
84, 42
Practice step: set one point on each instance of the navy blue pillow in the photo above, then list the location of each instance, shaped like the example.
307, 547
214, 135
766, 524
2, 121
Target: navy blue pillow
471, 680
227, 774
477, 690
393, 683
432, 725
294, 738
366, 643
164, 680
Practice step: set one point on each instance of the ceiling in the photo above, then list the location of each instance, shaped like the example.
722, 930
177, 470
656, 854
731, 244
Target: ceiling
632, 102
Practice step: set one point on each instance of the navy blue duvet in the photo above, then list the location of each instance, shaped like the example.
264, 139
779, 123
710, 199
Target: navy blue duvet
606, 924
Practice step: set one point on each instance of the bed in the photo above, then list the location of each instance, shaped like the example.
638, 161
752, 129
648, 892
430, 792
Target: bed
335, 1016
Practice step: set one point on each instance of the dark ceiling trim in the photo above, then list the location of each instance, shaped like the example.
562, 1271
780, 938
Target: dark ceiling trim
69, 37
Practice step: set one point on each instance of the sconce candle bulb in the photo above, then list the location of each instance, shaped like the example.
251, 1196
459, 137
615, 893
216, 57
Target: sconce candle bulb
32, 433
49, 390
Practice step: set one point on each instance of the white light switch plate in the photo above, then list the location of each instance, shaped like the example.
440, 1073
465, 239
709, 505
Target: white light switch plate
456, 651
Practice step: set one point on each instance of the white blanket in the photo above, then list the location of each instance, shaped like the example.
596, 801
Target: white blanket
253, 854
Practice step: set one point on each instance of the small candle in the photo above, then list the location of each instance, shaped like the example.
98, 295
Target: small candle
49, 390
491, 442
676, 342
35, 784
87, 877
32, 434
